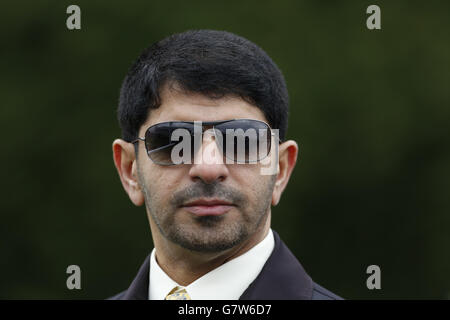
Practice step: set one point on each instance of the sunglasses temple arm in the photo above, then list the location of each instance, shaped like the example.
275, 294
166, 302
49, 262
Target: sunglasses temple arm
278, 138
137, 140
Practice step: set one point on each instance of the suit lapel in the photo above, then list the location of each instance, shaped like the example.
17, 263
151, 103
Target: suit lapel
138, 289
282, 277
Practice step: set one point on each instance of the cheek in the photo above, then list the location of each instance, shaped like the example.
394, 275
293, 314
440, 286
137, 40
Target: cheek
251, 181
162, 184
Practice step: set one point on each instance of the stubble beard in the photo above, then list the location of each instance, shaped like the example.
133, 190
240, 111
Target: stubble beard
208, 234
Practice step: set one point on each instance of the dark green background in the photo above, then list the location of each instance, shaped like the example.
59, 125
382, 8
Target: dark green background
369, 109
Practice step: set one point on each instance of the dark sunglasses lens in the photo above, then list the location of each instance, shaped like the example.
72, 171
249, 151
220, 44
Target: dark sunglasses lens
244, 141
159, 144
157, 137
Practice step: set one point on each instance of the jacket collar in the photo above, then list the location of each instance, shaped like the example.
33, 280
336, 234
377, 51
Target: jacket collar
282, 278
138, 289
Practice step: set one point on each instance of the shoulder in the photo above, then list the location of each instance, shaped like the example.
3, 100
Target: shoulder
118, 296
138, 289
284, 278
320, 293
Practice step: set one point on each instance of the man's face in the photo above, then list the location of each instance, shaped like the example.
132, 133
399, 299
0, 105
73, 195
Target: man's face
167, 188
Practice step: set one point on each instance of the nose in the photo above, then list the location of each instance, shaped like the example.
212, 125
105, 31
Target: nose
208, 162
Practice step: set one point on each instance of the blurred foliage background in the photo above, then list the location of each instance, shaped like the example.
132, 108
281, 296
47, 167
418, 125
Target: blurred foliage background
369, 109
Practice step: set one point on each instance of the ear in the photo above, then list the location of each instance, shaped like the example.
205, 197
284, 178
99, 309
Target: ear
126, 165
287, 158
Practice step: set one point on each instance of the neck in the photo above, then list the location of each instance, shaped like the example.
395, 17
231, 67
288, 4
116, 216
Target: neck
185, 266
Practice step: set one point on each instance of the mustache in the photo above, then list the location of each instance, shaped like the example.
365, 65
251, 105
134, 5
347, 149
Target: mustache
207, 190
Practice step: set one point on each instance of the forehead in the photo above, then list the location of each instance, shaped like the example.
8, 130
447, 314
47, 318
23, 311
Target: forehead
177, 105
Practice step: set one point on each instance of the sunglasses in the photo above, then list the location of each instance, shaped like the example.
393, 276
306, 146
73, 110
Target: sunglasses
238, 140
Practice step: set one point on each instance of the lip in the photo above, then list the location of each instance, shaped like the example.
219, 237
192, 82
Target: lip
208, 207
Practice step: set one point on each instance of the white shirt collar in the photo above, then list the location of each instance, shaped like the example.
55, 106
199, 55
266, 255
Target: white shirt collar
227, 282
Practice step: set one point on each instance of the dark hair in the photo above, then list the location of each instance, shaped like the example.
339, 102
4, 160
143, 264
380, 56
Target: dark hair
213, 63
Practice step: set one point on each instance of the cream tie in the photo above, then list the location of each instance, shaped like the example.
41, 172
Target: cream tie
178, 293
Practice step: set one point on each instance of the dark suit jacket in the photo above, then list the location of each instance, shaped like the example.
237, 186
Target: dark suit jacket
282, 278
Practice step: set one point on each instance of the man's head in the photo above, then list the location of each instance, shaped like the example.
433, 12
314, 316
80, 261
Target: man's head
202, 76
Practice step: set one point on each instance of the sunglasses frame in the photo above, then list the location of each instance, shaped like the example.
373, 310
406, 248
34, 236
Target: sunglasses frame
204, 124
